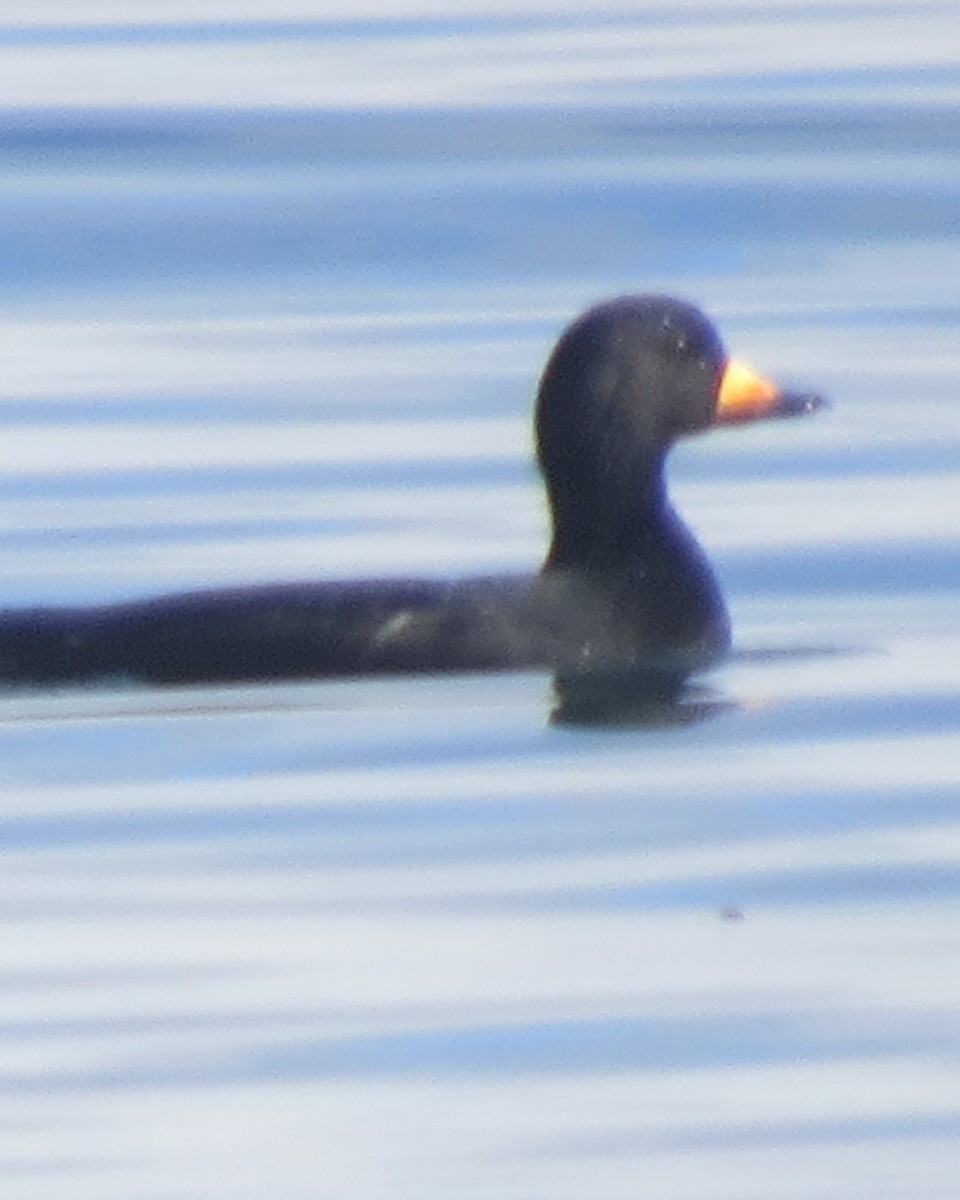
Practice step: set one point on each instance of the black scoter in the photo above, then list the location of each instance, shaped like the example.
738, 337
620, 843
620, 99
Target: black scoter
624, 588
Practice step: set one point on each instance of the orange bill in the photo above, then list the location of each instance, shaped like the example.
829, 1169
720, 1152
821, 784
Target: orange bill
747, 396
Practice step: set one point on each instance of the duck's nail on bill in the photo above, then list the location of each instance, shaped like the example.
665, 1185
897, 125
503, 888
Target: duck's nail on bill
795, 404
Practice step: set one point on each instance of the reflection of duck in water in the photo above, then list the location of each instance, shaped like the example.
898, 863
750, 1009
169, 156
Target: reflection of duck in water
624, 592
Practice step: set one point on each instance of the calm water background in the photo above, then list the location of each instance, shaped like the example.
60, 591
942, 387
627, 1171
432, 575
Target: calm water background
276, 286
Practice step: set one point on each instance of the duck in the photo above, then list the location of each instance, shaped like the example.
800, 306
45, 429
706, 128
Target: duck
624, 589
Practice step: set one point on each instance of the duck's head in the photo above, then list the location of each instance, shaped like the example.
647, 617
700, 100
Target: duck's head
624, 382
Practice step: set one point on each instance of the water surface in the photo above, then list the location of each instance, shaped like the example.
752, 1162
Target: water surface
276, 291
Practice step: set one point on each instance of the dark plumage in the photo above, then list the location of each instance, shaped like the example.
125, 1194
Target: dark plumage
624, 589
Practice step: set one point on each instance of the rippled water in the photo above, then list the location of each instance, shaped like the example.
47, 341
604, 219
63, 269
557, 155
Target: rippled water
276, 289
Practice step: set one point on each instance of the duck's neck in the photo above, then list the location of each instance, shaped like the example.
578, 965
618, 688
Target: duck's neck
643, 566
608, 530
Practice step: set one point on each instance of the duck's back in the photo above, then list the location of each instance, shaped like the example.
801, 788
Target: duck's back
559, 619
284, 631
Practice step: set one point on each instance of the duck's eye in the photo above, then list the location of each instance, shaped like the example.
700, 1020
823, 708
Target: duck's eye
678, 340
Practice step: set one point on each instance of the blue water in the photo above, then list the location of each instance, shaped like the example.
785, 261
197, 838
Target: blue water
276, 290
